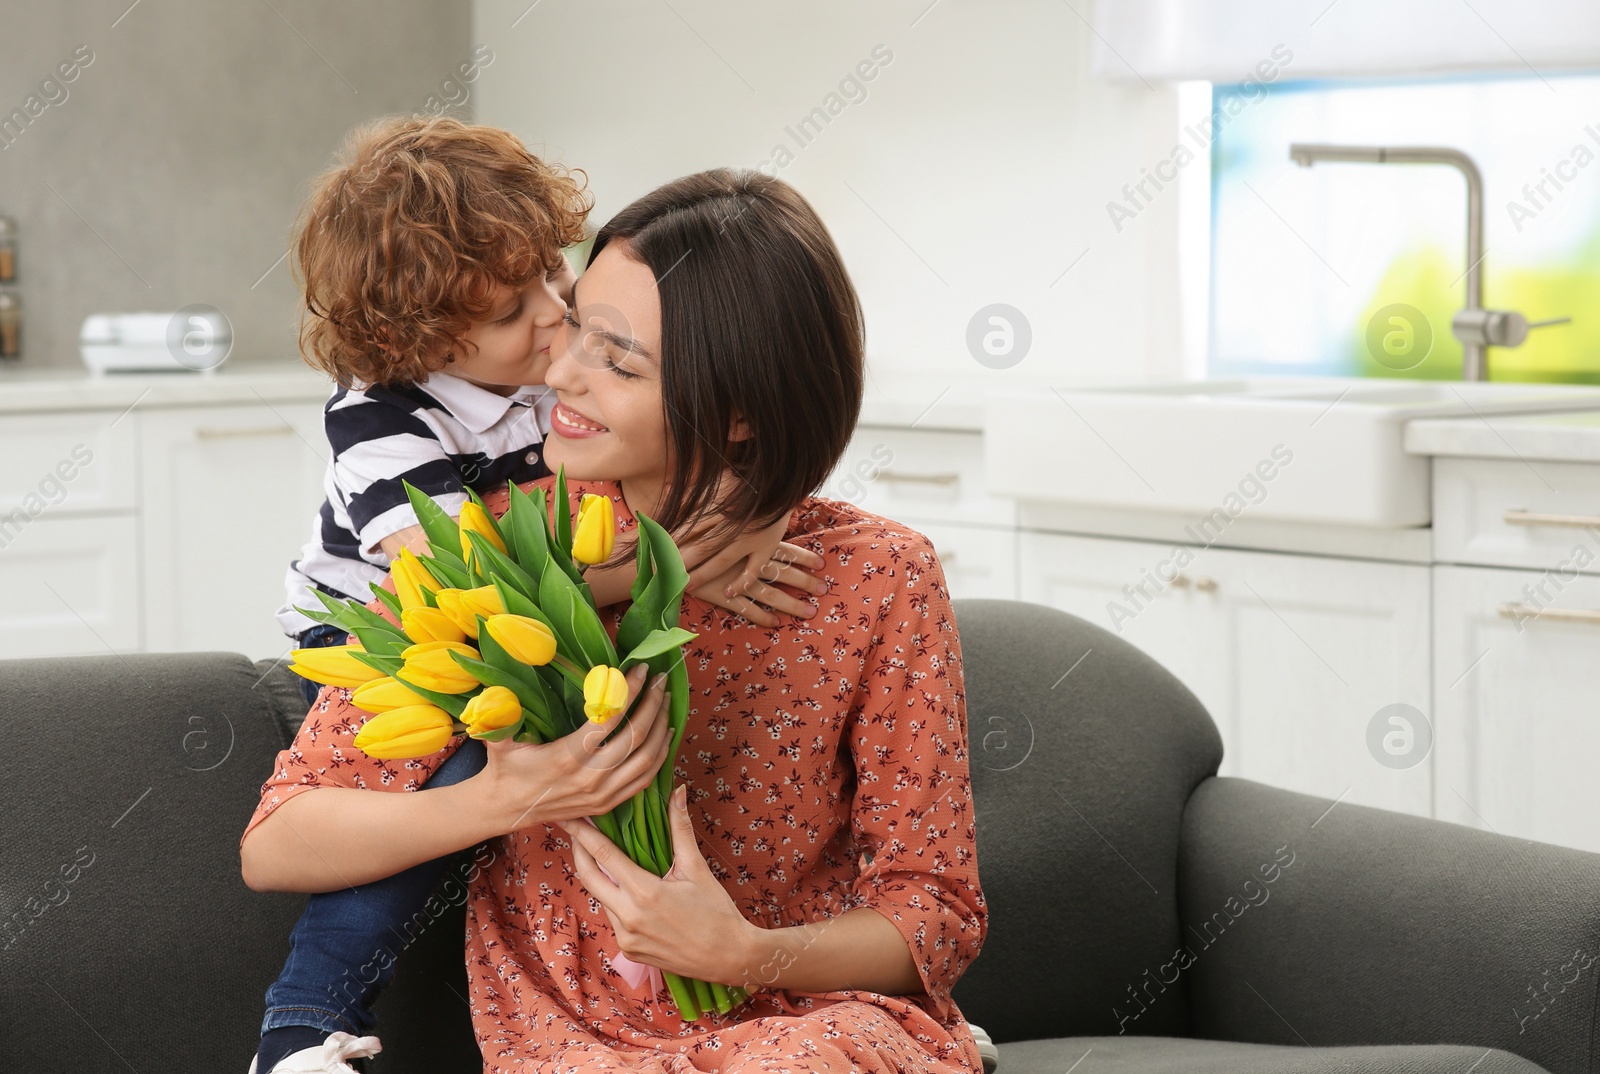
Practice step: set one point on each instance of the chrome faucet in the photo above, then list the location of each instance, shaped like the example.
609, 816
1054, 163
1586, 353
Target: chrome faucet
1476, 327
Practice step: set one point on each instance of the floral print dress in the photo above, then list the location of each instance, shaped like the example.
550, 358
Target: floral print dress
826, 763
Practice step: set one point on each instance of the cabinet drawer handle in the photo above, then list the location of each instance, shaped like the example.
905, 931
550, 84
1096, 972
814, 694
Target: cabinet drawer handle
920, 479
1518, 517
1518, 610
1204, 585
229, 434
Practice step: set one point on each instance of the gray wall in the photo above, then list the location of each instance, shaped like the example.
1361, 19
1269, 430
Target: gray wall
179, 155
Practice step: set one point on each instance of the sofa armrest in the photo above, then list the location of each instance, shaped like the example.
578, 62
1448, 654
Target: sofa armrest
1313, 925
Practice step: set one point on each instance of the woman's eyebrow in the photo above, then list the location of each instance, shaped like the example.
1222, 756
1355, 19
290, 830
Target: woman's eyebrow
626, 343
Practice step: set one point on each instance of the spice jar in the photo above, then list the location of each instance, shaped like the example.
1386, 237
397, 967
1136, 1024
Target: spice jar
10, 325
8, 249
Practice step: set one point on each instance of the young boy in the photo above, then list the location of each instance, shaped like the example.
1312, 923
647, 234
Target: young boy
434, 281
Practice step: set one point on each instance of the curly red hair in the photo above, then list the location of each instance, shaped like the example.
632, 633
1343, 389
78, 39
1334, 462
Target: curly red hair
401, 244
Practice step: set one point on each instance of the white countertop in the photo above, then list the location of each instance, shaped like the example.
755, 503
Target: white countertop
1572, 436
890, 399
935, 402
49, 388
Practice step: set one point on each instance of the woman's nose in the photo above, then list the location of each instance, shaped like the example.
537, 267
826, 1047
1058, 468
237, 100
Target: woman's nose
565, 373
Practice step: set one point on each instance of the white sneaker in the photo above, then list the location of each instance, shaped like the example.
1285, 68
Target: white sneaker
327, 1059
986, 1049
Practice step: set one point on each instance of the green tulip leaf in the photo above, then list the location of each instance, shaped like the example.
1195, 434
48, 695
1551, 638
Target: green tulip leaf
447, 570
442, 531
381, 642
499, 734
490, 561
576, 621
386, 664
562, 510
386, 598
518, 602
529, 526
655, 644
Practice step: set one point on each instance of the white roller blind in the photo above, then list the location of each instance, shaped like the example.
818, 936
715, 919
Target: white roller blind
1228, 40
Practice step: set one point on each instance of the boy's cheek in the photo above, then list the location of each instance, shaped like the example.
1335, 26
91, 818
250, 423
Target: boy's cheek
541, 368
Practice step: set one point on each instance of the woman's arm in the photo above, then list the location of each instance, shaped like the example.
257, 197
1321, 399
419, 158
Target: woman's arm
340, 837
860, 949
344, 835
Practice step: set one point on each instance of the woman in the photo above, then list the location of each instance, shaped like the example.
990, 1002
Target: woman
824, 851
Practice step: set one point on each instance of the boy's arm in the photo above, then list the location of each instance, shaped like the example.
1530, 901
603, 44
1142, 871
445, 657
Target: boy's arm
742, 576
377, 443
411, 537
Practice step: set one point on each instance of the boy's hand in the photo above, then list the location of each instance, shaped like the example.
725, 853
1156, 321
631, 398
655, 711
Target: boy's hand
743, 576
411, 537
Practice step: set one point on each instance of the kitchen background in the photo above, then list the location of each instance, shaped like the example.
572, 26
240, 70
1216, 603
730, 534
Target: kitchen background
1062, 216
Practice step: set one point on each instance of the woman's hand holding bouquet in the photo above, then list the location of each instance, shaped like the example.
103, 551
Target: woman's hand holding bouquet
499, 637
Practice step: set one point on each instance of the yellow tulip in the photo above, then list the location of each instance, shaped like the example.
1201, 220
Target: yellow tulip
332, 666
526, 640
410, 576
411, 731
491, 710
429, 665
381, 695
605, 693
463, 606
596, 532
475, 520
430, 624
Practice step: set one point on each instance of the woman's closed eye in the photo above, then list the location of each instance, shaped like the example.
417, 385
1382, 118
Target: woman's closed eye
593, 343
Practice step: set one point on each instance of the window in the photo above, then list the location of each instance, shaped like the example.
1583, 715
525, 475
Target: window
1302, 259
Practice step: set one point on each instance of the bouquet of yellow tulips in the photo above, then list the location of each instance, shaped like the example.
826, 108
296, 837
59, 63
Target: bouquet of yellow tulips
499, 637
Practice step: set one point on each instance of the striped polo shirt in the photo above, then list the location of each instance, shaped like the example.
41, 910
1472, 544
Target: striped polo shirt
443, 435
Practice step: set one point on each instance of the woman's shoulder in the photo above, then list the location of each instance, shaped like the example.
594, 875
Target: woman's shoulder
840, 528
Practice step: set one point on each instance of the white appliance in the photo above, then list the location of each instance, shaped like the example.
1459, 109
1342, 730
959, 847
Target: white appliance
195, 339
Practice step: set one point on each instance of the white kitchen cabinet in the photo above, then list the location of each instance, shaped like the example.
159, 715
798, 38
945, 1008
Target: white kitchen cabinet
71, 585
932, 480
68, 463
1292, 655
228, 497
1518, 702
1509, 513
978, 561
919, 474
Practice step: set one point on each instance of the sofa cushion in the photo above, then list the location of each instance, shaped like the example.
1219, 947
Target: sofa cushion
1386, 928
1083, 754
127, 937
1158, 1055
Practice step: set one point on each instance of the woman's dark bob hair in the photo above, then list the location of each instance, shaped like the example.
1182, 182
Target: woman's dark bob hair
759, 322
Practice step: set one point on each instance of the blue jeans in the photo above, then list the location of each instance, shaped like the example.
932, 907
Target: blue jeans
343, 949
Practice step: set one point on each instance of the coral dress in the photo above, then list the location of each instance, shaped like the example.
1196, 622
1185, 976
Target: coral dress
826, 762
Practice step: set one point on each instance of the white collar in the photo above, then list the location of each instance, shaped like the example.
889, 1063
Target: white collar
479, 408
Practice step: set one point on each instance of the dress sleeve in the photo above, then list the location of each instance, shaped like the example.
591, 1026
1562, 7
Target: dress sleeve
912, 812
323, 753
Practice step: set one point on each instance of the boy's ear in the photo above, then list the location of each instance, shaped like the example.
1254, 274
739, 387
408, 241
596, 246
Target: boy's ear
739, 430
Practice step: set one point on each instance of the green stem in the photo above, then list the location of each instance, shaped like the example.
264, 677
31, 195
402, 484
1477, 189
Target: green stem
573, 673
682, 995
702, 995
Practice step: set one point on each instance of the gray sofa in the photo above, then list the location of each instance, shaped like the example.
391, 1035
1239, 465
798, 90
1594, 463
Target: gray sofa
1144, 914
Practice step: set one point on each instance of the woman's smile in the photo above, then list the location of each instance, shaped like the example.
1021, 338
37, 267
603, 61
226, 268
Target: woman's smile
564, 421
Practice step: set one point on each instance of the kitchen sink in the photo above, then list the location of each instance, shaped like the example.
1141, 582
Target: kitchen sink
1314, 450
